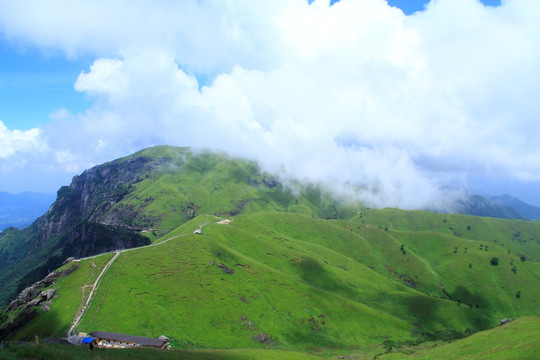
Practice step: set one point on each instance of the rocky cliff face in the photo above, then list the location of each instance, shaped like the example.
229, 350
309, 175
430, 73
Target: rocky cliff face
79, 223
92, 238
74, 221
92, 194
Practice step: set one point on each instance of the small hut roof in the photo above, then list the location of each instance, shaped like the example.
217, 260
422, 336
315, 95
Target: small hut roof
141, 340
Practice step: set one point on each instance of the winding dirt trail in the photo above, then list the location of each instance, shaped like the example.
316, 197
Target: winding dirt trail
78, 317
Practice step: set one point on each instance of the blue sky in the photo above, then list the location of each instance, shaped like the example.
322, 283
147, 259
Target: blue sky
35, 84
411, 6
445, 98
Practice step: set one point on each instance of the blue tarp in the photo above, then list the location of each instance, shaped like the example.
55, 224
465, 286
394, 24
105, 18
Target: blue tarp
87, 340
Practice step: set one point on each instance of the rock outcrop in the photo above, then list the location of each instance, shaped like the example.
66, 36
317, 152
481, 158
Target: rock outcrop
80, 223
92, 194
27, 304
225, 269
264, 339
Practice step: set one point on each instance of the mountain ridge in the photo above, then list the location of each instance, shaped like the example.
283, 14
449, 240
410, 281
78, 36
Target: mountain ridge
528, 211
275, 270
116, 194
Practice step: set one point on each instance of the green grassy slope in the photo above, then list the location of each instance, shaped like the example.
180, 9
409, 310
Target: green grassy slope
451, 256
308, 273
517, 340
188, 296
13, 245
305, 283
69, 299
434, 263
520, 237
155, 190
192, 183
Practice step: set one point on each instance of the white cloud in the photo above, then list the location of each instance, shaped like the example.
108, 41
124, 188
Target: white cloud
104, 78
16, 141
205, 35
354, 93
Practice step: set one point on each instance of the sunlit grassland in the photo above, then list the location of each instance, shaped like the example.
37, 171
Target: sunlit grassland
72, 291
297, 274
517, 340
305, 289
308, 284
196, 303
520, 237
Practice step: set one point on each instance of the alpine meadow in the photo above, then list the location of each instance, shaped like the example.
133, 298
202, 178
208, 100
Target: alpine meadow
230, 262
270, 179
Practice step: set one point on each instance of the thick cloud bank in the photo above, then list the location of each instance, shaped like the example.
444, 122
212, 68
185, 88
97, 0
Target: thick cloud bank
355, 95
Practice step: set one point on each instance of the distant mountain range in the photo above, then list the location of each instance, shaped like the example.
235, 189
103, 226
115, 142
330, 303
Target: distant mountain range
20, 210
529, 212
503, 207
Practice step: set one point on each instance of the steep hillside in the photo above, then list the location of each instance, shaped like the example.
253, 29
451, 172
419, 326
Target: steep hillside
517, 237
154, 191
517, 340
72, 224
274, 266
295, 282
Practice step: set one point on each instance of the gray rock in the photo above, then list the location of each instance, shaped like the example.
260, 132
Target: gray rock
27, 294
12, 305
46, 307
225, 269
264, 339
47, 294
51, 278
34, 302
68, 260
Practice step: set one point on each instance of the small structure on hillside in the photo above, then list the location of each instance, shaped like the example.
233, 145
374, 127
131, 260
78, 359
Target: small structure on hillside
224, 222
198, 231
115, 340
